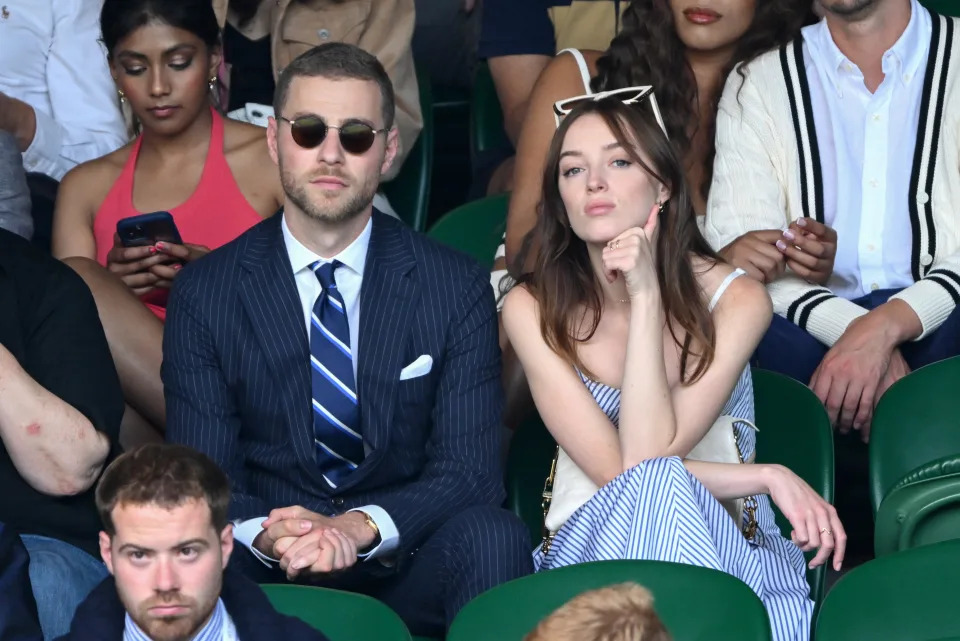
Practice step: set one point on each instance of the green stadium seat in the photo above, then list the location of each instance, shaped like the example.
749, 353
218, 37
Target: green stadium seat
795, 432
923, 508
409, 191
475, 228
341, 616
916, 422
908, 595
486, 116
695, 604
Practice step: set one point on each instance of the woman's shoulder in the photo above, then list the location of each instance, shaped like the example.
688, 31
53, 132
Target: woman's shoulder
92, 180
562, 78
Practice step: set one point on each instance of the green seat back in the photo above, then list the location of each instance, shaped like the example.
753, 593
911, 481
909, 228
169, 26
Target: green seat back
409, 191
946, 7
917, 421
795, 432
922, 508
908, 595
341, 616
695, 604
475, 228
486, 116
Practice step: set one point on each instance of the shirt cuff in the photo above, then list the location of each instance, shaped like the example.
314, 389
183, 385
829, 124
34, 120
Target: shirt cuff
246, 531
389, 536
43, 154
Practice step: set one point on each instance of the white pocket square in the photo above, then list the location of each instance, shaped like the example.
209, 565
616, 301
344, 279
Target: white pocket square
419, 367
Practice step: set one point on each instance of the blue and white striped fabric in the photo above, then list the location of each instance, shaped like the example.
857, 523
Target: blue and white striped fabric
336, 410
659, 511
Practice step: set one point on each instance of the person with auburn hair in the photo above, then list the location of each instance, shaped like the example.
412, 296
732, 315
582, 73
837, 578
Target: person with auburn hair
685, 52
645, 333
621, 612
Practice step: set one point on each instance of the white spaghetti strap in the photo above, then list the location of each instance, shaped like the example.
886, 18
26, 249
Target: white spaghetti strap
723, 286
582, 63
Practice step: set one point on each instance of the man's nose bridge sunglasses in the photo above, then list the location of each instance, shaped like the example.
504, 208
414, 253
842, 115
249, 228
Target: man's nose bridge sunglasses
310, 131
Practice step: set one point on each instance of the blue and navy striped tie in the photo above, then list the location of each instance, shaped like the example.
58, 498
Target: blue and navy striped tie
336, 413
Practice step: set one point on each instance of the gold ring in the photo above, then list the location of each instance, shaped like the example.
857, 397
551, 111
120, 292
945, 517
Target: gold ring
824, 530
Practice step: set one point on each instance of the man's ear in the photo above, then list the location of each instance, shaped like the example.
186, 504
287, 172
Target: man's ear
226, 544
393, 148
105, 552
273, 130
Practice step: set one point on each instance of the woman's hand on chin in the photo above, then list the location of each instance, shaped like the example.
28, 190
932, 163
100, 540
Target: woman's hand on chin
632, 254
815, 522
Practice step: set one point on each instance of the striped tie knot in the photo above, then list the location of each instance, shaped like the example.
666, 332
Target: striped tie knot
324, 272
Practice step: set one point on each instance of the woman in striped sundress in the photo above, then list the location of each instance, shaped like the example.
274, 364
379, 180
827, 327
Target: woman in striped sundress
635, 338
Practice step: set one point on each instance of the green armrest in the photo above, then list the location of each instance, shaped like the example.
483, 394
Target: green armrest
923, 508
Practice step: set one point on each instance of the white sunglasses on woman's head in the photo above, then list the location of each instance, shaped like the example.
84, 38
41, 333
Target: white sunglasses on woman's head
627, 96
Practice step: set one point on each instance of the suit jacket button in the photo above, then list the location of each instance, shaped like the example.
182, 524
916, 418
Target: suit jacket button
338, 501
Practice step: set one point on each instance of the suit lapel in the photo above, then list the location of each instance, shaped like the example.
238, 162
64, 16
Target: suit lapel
269, 296
388, 299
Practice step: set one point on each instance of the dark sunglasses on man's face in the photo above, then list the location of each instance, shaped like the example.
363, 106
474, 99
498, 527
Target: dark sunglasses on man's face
355, 137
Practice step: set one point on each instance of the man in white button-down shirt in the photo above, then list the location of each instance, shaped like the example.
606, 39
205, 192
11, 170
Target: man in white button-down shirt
853, 128
56, 94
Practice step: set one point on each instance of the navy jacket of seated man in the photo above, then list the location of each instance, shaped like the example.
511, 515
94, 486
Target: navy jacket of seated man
101, 617
237, 379
18, 610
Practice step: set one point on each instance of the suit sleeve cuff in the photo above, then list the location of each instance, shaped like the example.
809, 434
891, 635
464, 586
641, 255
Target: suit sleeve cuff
246, 531
389, 536
43, 154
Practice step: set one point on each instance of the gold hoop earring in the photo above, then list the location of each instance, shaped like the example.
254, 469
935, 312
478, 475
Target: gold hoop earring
123, 96
213, 83
660, 205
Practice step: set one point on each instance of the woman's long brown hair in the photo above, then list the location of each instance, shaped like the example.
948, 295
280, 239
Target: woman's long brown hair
563, 280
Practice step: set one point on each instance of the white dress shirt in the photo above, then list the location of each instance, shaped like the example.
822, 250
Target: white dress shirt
51, 59
867, 143
349, 278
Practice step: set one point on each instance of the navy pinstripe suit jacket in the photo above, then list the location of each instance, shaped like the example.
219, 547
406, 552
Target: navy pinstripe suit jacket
236, 376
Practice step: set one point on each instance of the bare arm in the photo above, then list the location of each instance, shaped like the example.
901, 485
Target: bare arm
73, 214
53, 446
514, 78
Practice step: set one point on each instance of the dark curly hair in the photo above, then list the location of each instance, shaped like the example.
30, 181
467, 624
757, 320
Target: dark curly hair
648, 51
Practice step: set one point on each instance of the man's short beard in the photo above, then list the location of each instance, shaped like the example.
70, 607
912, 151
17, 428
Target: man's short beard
348, 210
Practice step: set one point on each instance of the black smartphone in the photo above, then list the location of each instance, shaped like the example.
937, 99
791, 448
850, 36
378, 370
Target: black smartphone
148, 229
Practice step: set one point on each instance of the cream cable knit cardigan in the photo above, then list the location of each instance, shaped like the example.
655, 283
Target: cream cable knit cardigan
767, 174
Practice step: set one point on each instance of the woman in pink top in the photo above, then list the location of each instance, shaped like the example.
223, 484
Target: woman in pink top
214, 176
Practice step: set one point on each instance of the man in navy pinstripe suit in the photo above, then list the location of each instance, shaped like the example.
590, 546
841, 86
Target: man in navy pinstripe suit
344, 371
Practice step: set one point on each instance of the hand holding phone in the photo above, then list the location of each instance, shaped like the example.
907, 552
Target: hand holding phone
180, 254
134, 251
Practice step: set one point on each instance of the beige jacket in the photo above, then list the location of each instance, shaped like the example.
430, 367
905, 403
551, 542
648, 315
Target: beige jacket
766, 176
382, 27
